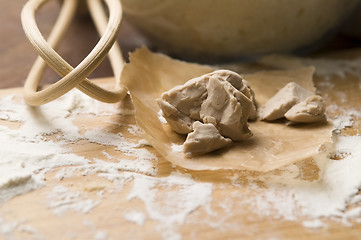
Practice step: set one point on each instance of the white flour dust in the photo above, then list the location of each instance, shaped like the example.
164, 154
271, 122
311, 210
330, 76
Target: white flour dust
180, 196
338, 187
27, 153
24, 161
135, 217
62, 200
185, 193
317, 223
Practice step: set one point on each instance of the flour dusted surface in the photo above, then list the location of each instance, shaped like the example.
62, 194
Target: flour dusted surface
170, 201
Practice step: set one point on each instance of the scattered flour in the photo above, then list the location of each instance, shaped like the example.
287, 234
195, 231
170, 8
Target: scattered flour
27, 154
28, 229
342, 121
24, 162
290, 197
101, 235
135, 217
314, 224
63, 200
186, 195
177, 148
339, 184
7, 228
98, 234
181, 196
134, 130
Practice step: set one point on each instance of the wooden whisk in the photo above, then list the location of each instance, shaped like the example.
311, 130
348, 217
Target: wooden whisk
73, 77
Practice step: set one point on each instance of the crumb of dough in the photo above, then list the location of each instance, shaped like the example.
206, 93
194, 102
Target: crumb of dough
180, 122
204, 138
282, 101
310, 110
222, 98
226, 110
247, 90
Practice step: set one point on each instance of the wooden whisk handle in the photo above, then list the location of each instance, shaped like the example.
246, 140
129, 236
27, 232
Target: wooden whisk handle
73, 77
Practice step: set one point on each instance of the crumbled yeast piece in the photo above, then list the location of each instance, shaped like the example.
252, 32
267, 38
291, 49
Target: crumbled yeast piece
295, 103
180, 122
310, 110
204, 138
221, 98
226, 108
282, 101
250, 94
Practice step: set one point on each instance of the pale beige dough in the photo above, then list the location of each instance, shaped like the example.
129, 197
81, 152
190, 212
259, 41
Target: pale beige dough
221, 97
205, 138
282, 101
310, 110
295, 103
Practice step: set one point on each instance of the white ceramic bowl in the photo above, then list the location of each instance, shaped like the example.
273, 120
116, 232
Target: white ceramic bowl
233, 29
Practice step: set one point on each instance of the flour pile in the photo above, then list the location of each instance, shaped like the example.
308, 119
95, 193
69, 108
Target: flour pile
28, 153
335, 194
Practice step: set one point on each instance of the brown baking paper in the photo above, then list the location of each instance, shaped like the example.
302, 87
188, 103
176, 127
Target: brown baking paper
272, 146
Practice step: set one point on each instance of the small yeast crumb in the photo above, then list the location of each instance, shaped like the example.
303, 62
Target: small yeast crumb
295, 103
310, 110
205, 138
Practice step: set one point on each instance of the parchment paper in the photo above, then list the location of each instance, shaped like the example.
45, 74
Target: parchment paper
272, 146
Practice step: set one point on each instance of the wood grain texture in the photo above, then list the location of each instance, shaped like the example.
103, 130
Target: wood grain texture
34, 209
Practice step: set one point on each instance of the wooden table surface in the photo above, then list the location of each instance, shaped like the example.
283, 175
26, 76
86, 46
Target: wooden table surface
229, 215
16, 59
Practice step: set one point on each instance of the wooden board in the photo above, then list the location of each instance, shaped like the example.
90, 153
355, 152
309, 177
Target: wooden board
32, 209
